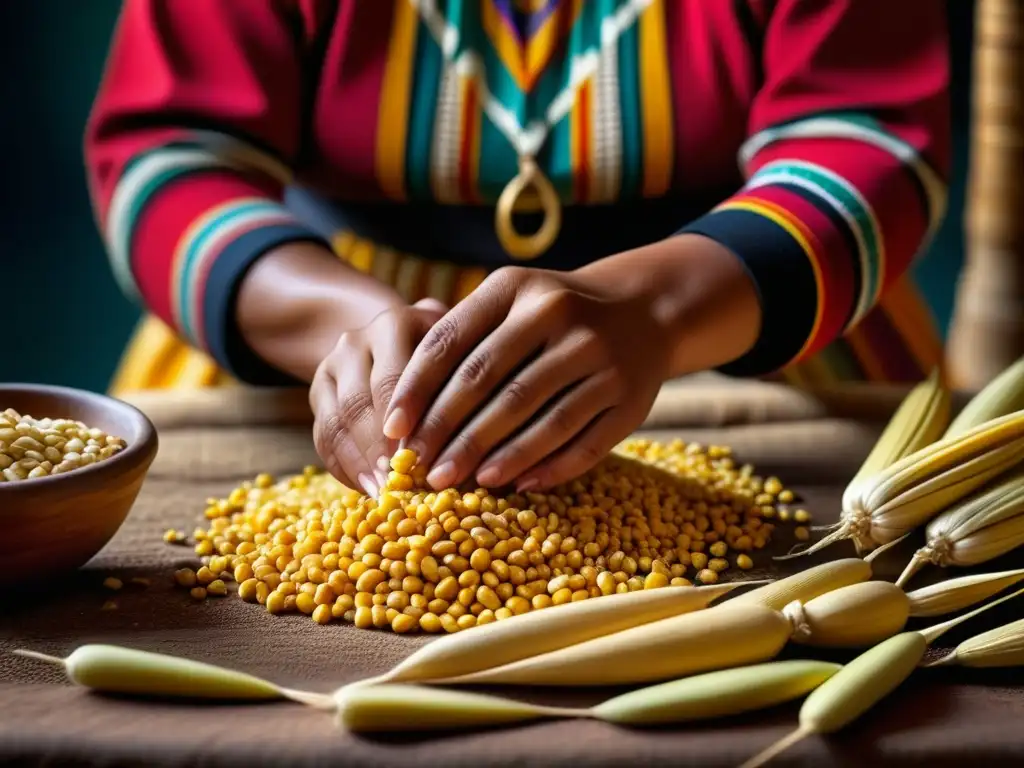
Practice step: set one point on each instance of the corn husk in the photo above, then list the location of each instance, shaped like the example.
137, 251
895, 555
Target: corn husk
893, 502
717, 638
807, 584
1003, 395
917, 423
539, 632
952, 595
863, 682
980, 527
999, 647
856, 616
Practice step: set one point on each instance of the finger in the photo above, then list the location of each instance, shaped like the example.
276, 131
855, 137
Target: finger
432, 305
567, 418
506, 412
393, 343
322, 399
441, 350
581, 454
346, 423
475, 382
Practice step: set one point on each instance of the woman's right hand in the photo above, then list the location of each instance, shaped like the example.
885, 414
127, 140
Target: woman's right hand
352, 388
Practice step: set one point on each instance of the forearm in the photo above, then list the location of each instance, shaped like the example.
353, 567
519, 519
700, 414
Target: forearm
296, 301
698, 292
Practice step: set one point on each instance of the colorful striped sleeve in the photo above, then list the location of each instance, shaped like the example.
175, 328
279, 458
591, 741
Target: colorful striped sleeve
188, 150
845, 162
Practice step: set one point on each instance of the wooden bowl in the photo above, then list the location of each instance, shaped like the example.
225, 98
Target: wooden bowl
54, 524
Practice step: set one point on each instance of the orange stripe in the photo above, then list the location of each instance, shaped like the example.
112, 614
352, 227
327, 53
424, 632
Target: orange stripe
505, 43
870, 363
581, 142
913, 320
655, 101
808, 242
469, 146
393, 113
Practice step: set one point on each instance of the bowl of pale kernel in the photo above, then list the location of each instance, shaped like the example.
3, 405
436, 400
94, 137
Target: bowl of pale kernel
71, 465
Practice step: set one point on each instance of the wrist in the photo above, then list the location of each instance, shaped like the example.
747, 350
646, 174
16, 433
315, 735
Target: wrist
296, 301
701, 298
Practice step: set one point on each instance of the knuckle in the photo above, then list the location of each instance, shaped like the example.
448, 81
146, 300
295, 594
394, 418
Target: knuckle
328, 432
468, 445
354, 408
562, 419
589, 454
516, 397
433, 424
557, 304
385, 386
476, 370
440, 340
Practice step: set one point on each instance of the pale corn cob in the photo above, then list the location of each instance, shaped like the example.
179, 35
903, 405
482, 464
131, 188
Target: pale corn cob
999, 647
720, 637
979, 528
850, 617
863, 682
910, 492
404, 707
953, 595
532, 634
917, 423
717, 638
807, 584
1003, 395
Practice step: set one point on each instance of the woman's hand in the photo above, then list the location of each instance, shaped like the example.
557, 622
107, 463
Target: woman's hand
352, 389
537, 375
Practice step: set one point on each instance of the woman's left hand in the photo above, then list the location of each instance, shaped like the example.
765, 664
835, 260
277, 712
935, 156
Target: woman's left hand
533, 378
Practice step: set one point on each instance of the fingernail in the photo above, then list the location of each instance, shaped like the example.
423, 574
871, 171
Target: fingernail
397, 424
442, 476
369, 486
382, 478
489, 477
527, 485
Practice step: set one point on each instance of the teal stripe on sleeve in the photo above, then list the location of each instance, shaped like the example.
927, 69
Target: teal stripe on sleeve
419, 138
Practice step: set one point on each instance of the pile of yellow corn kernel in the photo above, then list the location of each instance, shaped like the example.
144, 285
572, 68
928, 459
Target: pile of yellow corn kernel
646, 517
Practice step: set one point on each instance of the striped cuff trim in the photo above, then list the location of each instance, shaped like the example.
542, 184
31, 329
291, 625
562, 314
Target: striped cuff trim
770, 248
217, 319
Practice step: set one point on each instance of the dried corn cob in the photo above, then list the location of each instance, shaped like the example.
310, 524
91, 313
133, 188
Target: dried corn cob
999, 647
891, 503
808, 584
1003, 395
534, 633
864, 682
917, 423
728, 635
953, 595
851, 617
979, 528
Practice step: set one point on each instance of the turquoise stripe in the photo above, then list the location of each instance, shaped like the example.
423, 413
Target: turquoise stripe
556, 154
199, 244
860, 213
498, 160
629, 107
419, 137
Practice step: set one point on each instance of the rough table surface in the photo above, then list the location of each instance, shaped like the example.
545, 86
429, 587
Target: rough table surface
210, 441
